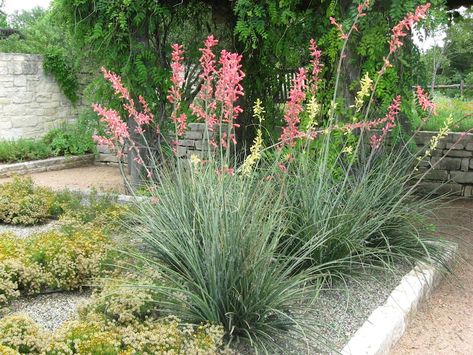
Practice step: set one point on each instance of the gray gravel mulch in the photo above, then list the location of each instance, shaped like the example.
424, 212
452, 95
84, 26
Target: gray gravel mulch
23, 232
49, 310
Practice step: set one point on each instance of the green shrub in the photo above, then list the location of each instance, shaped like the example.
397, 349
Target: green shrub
72, 138
21, 202
12, 151
66, 139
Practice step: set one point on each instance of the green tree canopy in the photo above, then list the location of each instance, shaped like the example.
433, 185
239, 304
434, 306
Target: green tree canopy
3, 15
452, 62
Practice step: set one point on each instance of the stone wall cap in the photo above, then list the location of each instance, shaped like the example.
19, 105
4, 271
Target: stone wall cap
11, 56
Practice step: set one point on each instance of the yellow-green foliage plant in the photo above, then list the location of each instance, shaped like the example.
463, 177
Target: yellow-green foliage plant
97, 212
19, 334
21, 202
15, 272
69, 260
93, 334
51, 260
121, 303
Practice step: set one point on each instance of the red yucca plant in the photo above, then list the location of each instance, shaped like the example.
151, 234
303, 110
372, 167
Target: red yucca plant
248, 252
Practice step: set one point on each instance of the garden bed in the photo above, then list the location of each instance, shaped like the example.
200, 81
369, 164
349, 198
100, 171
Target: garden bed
365, 315
84, 231
49, 164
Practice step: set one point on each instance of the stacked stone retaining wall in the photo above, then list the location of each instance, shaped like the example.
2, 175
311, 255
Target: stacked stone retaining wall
450, 168
451, 174
192, 143
31, 102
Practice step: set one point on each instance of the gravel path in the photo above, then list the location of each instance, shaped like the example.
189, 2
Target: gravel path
346, 309
444, 324
49, 310
25, 231
100, 177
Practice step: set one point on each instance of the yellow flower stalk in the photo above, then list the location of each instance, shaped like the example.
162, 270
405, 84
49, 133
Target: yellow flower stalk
195, 160
365, 87
313, 109
434, 141
255, 150
348, 150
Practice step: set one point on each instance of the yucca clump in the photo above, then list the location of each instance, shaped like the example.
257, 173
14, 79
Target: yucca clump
369, 216
216, 240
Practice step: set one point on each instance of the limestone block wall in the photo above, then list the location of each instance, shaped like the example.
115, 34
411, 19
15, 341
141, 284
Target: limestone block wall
31, 102
450, 168
192, 143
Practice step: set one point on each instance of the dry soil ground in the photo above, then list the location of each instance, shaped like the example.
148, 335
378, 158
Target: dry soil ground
444, 324
102, 178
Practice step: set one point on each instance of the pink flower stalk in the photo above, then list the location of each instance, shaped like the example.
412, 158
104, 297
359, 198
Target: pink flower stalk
229, 88
141, 118
116, 128
339, 27
174, 95
405, 25
390, 119
225, 170
294, 108
226, 138
116, 83
316, 65
362, 7
208, 64
282, 167
424, 101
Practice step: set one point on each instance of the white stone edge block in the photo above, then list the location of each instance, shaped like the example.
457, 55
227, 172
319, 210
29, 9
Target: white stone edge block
50, 164
387, 323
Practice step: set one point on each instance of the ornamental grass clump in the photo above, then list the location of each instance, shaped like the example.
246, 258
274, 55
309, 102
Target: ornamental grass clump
216, 240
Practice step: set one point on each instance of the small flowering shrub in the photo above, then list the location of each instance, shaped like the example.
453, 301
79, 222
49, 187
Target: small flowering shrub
21, 202
21, 334
70, 261
95, 334
99, 212
7, 350
119, 301
50, 260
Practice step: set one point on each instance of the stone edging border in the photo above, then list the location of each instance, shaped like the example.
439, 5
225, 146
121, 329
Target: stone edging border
50, 164
122, 199
387, 323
